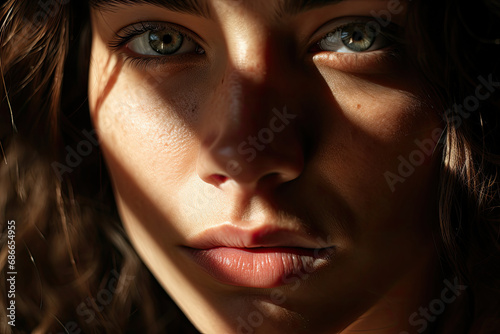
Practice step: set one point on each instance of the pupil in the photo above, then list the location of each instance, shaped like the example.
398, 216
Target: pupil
357, 36
167, 39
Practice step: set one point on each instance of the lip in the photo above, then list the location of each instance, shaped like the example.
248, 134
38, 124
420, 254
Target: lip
262, 257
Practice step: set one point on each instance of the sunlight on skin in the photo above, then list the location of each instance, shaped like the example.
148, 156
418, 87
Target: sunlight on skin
164, 127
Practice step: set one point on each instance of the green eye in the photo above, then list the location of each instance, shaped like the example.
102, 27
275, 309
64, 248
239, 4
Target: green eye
353, 38
155, 39
165, 42
358, 38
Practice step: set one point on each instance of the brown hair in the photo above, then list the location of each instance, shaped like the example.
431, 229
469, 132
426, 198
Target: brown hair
76, 268
457, 47
70, 245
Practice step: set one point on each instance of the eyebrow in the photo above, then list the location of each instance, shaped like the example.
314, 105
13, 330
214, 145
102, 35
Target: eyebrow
201, 8
292, 7
194, 7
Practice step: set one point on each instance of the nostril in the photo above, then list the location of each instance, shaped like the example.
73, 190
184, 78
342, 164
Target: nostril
218, 178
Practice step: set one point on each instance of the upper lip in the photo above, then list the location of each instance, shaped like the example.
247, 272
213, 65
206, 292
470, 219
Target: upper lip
266, 235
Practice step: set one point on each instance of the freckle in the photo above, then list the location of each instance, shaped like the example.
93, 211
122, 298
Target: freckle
358, 106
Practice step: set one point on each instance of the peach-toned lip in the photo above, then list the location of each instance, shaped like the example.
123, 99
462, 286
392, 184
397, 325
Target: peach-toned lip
265, 235
264, 267
259, 257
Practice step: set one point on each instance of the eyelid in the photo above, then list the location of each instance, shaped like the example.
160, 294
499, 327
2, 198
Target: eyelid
371, 62
125, 34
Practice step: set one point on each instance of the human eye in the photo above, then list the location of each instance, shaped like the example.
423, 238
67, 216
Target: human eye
356, 36
358, 44
154, 42
361, 35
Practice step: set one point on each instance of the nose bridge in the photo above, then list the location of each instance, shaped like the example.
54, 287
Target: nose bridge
251, 131
245, 104
250, 127
251, 46
254, 81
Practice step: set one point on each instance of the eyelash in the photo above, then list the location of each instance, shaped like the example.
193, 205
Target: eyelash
392, 32
125, 35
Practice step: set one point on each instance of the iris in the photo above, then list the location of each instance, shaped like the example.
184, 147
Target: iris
165, 42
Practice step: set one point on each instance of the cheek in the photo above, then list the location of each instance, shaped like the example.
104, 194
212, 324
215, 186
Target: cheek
146, 124
372, 129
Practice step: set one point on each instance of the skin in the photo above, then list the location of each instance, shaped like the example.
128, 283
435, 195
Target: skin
168, 131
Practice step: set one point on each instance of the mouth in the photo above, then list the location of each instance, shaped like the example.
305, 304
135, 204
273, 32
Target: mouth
263, 267
265, 257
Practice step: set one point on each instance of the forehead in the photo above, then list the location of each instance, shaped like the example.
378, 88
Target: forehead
202, 7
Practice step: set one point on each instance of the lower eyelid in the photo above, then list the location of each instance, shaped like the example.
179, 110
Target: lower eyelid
366, 62
177, 61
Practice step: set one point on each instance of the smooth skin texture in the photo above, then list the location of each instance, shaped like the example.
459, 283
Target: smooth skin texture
170, 131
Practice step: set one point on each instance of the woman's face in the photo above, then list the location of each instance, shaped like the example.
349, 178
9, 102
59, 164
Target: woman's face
272, 163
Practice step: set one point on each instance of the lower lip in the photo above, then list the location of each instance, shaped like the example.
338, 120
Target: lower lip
259, 267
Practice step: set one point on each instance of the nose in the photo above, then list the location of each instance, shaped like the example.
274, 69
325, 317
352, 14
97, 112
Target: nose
251, 134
